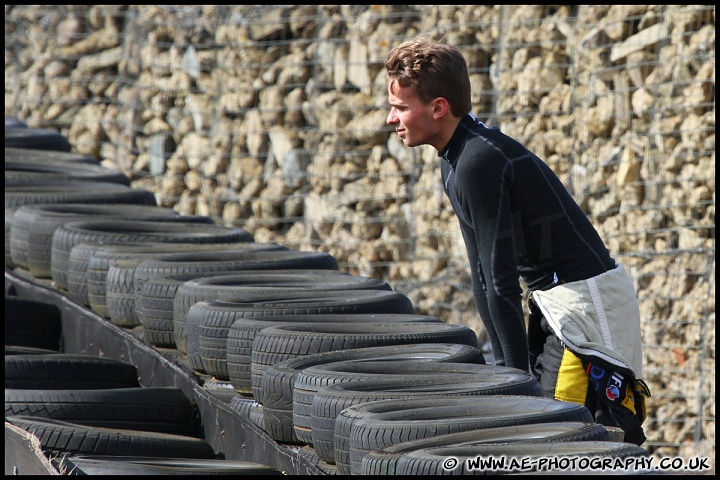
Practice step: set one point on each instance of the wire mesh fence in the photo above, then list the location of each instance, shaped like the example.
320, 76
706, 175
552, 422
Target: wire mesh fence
272, 118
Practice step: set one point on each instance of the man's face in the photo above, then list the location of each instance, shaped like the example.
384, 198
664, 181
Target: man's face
413, 120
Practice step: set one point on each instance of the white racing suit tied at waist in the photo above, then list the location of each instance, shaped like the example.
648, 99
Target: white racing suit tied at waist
597, 317
598, 322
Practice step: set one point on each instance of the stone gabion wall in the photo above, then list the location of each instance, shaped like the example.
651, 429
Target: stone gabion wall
272, 118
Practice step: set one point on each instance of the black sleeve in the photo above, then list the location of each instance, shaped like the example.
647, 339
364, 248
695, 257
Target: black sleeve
489, 240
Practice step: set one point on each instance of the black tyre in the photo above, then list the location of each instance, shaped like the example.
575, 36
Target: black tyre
154, 302
333, 445
91, 261
278, 381
125, 278
249, 408
299, 303
308, 453
376, 425
34, 226
20, 193
36, 138
344, 384
43, 219
207, 332
242, 332
30, 323
207, 340
384, 462
40, 171
122, 465
9, 215
155, 409
275, 344
66, 437
34, 155
14, 122
20, 350
178, 264
66, 371
107, 231
237, 285
433, 460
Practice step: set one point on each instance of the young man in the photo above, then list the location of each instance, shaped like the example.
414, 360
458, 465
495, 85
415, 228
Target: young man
518, 221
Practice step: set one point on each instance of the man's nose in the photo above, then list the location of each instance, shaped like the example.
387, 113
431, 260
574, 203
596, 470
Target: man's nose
392, 118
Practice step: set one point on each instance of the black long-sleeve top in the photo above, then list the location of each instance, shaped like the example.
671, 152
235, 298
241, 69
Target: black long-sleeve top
517, 220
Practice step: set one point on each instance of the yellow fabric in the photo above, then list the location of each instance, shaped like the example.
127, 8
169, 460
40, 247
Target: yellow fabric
638, 400
629, 401
572, 381
643, 392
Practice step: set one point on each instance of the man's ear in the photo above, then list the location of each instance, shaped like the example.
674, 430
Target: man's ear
441, 107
